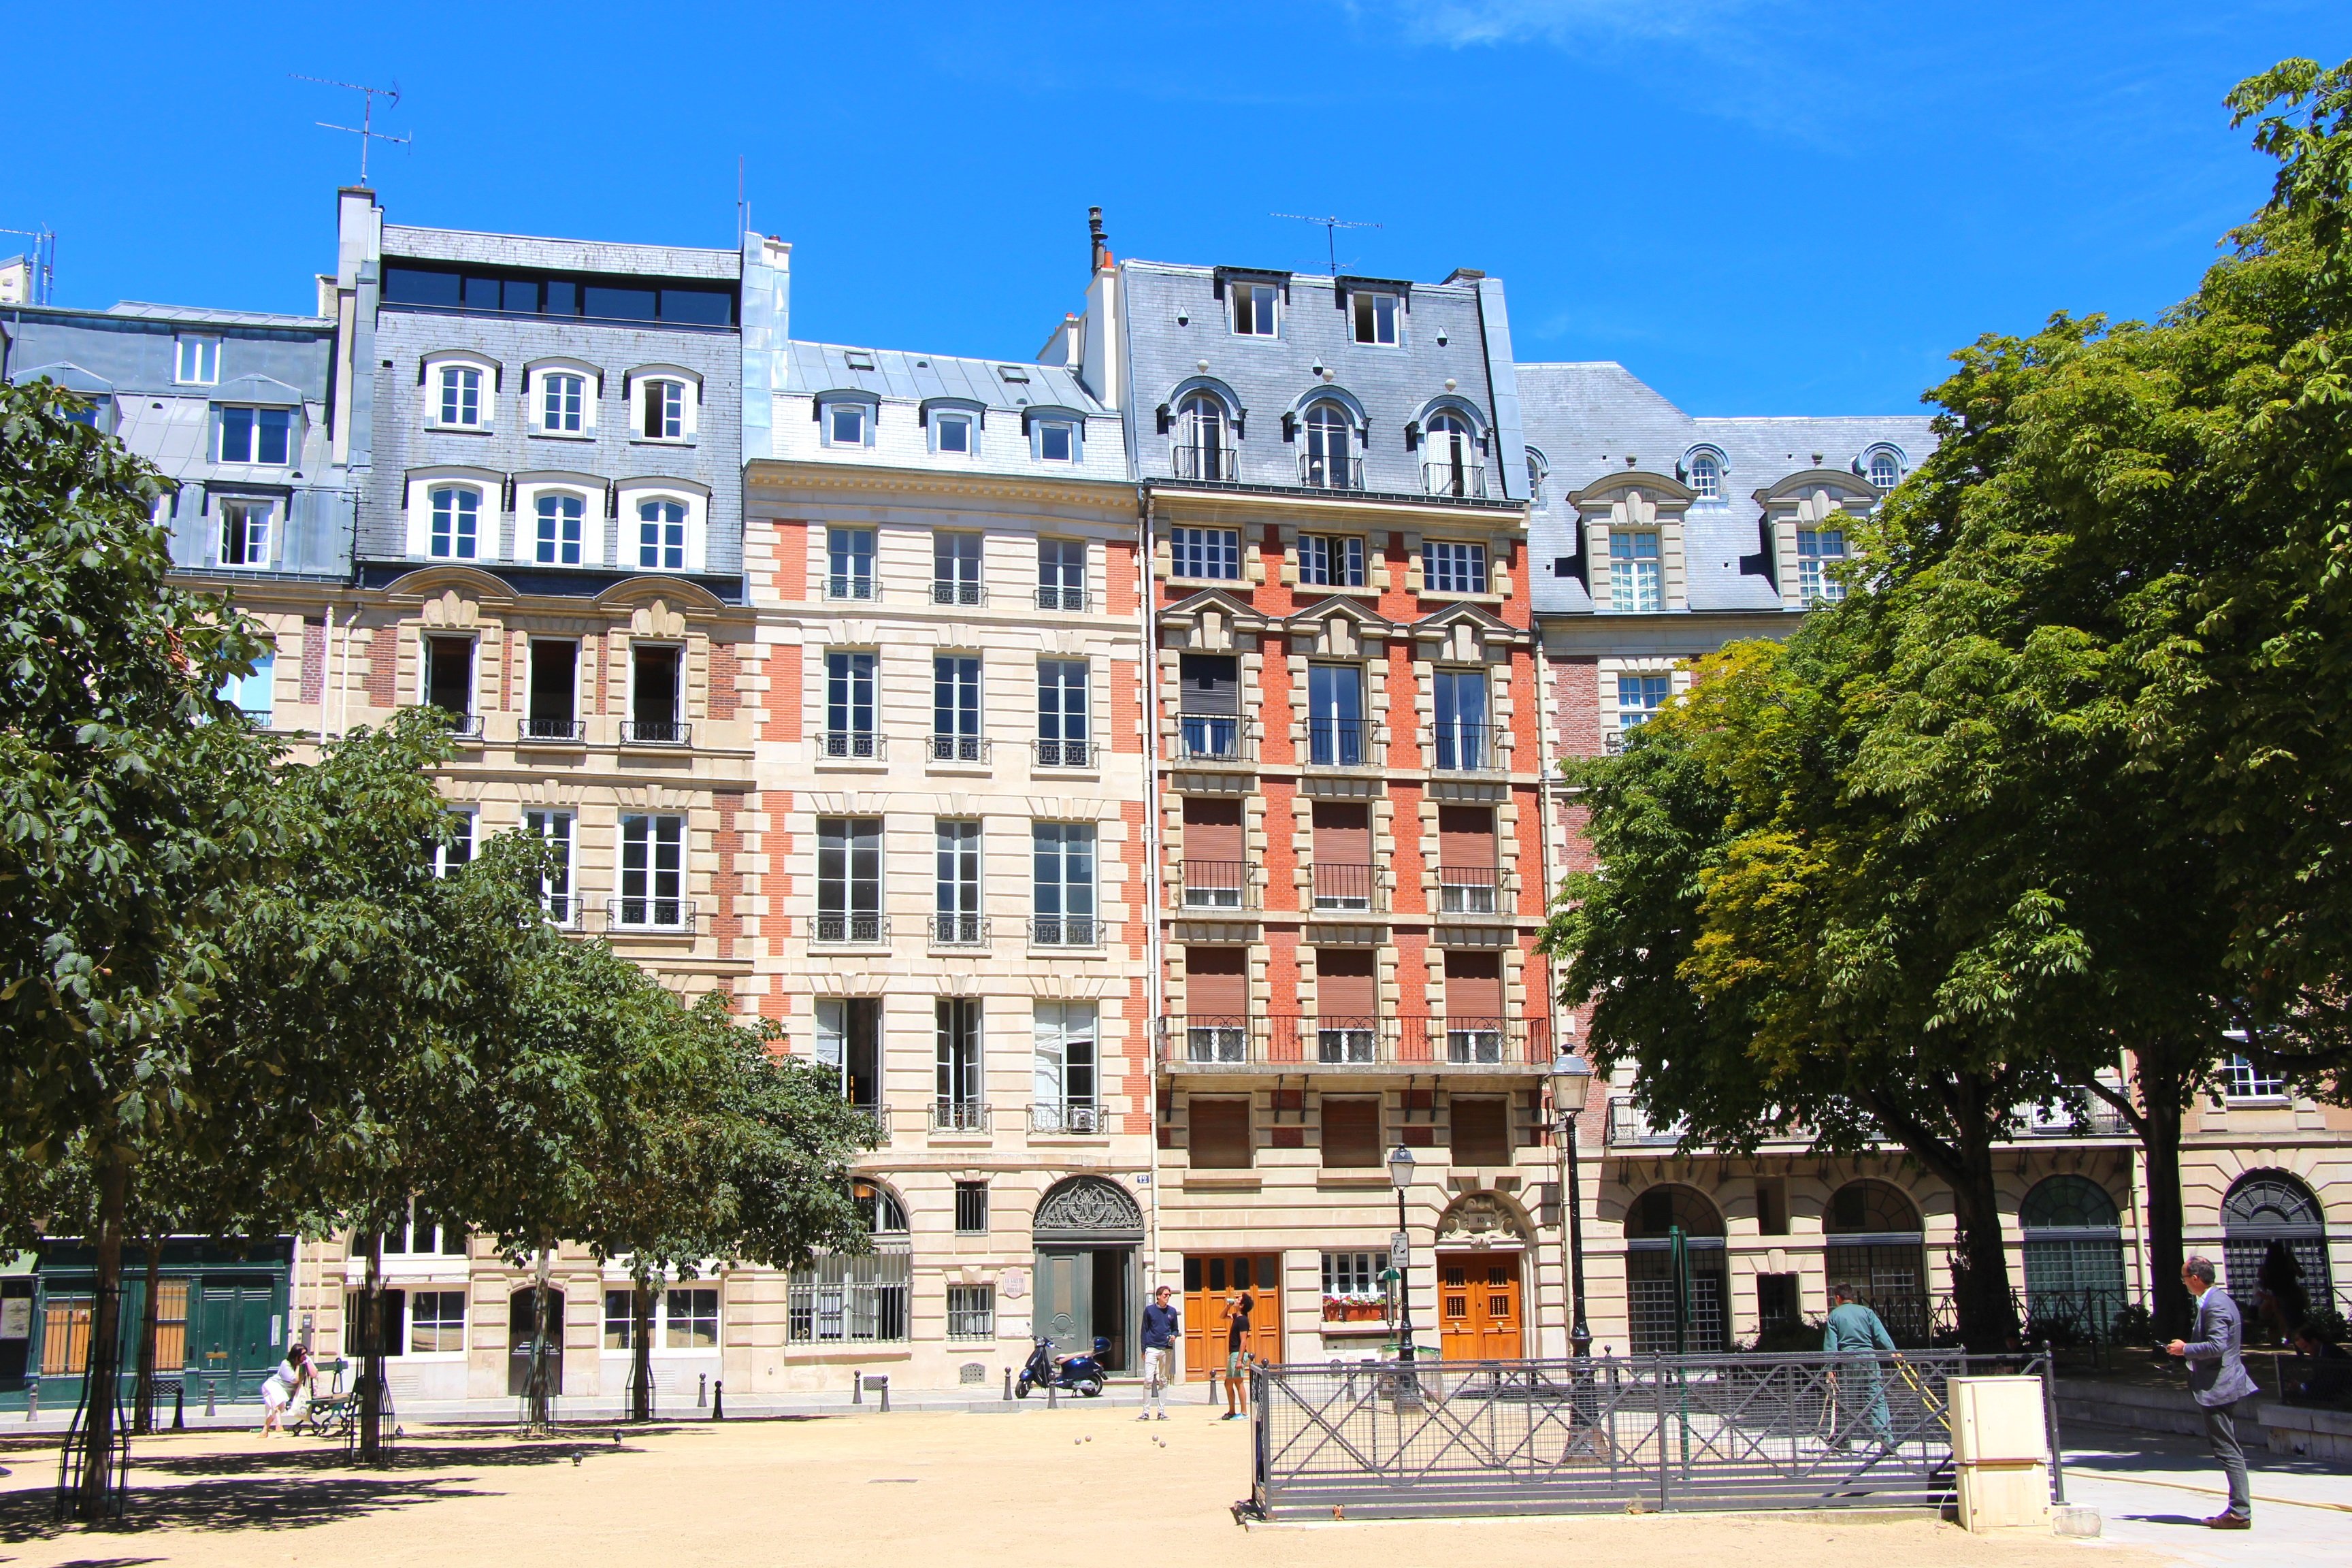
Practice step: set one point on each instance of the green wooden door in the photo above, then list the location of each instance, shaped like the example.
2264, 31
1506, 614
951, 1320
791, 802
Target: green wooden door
1065, 1300
236, 1341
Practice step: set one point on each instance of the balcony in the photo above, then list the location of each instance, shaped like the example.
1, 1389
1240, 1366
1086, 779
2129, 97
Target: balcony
852, 589
878, 1117
1629, 1128
949, 592
1218, 885
1332, 1040
958, 931
848, 745
1065, 931
1053, 599
1208, 1039
1469, 891
1073, 1119
1467, 1041
850, 931
655, 732
959, 749
558, 731
464, 726
1469, 748
2097, 1118
1341, 744
1330, 473
1467, 480
1216, 465
667, 916
1335, 1040
1208, 738
566, 911
1063, 754
959, 1116
1340, 889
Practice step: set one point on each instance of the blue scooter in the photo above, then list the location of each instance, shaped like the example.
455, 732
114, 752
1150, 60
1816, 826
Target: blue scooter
1079, 1374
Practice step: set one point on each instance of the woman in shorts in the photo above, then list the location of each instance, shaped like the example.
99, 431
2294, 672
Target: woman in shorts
278, 1388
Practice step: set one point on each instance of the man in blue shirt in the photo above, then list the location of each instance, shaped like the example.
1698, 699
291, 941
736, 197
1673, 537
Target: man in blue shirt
1854, 1331
1160, 1324
2217, 1380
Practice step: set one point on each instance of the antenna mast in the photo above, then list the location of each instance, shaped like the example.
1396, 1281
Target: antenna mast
365, 130
42, 261
1331, 227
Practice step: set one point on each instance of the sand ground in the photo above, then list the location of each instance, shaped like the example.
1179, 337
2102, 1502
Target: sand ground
1035, 1489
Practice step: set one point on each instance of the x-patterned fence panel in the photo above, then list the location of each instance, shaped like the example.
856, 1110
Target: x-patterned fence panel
1608, 1433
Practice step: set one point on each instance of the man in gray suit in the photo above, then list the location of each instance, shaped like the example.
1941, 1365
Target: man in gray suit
2218, 1377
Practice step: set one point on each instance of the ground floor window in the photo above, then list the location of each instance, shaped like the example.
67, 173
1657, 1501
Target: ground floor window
436, 1322
851, 1301
65, 1335
691, 1314
1353, 1290
972, 1311
1651, 1306
1890, 1278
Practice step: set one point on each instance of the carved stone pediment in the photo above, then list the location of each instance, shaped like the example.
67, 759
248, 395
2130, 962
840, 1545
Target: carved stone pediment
1088, 1208
1481, 1219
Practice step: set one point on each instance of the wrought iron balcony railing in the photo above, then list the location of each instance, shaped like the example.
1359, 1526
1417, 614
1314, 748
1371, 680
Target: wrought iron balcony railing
1469, 748
1343, 888
1063, 754
1330, 473
959, 1116
1050, 597
951, 593
1469, 891
955, 929
651, 914
1452, 478
853, 588
1629, 1127
464, 726
1217, 464
849, 745
1218, 885
1207, 1038
537, 729
655, 732
1207, 738
1071, 1117
1065, 931
1331, 1040
1463, 1040
878, 1116
958, 748
850, 931
1341, 744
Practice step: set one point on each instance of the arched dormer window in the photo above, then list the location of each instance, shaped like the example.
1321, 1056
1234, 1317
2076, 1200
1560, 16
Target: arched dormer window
1329, 461
1204, 443
1449, 463
1538, 472
1706, 470
1884, 469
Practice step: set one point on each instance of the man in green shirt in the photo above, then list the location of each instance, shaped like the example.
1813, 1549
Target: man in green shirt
1854, 1331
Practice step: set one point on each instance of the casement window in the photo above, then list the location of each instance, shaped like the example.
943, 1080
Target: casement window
1636, 583
652, 872
455, 850
1451, 567
457, 522
261, 436
1469, 877
656, 693
849, 707
849, 563
971, 1208
1354, 1276
1465, 743
1062, 884
1062, 1081
621, 1320
197, 362
972, 1311
420, 1232
951, 433
1328, 461
255, 695
846, 423
849, 1040
1330, 560
1640, 697
563, 403
1058, 441
661, 535
1376, 317
562, 525
1343, 871
1061, 573
852, 1300
1208, 703
1818, 549
1450, 465
1335, 715
955, 570
458, 396
1063, 735
436, 1322
449, 677
1707, 476
849, 879
661, 409
1886, 470
691, 1317
1253, 309
1537, 474
1213, 554
2244, 1079
957, 1102
554, 828
956, 919
244, 536
1202, 451
955, 709
1216, 866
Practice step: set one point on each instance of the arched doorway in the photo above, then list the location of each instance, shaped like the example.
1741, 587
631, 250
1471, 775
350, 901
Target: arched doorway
1086, 1232
1876, 1247
1654, 1294
522, 1317
1482, 1240
2073, 1259
2273, 1233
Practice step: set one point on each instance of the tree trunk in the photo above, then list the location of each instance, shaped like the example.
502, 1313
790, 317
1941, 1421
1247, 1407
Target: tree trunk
1980, 1293
102, 1374
2161, 1140
641, 1362
372, 1360
143, 1420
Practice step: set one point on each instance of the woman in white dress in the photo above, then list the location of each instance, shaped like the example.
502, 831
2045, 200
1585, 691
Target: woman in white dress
277, 1389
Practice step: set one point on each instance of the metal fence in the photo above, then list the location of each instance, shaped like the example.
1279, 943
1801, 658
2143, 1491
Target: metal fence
1608, 1434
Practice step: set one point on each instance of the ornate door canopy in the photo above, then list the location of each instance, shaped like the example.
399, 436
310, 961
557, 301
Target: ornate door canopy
1481, 1220
1087, 1208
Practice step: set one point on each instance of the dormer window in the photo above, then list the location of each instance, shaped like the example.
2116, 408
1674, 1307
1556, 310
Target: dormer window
198, 363
1327, 463
562, 396
460, 397
844, 424
1885, 471
1636, 580
1817, 549
661, 535
951, 433
1707, 476
1202, 451
1375, 317
1450, 465
457, 522
244, 533
262, 437
562, 524
1253, 309
662, 404
1058, 441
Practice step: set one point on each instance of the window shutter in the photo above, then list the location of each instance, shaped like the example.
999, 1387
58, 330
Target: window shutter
1481, 1131
1351, 1131
1465, 836
1212, 830
1473, 985
1343, 834
1345, 986
1221, 1134
1212, 684
1216, 981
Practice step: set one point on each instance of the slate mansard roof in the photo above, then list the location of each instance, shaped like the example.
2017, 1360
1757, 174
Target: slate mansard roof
906, 377
1586, 421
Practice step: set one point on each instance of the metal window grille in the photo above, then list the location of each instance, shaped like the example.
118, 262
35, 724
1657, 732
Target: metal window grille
971, 1208
850, 1301
972, 1311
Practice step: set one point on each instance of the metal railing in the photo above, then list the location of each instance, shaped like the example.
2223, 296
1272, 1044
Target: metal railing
1465, 1041
1630, 1126
1218, 885
958, 748
953, 930
1451, 478
2095, 1120
1065, 931
1071, 1118
1469, 748
875, 1116
959, 1116
865, 590
1063, 754
1469, 891
1209, 1038
851, 930
534, 728
655, 732
951, 593
856, 745
1208, 738
1332, 1040
1216, 464
1341, 744
1339, 888
649, 914
464, 726
1330, 473
1614, 1434
1052, 598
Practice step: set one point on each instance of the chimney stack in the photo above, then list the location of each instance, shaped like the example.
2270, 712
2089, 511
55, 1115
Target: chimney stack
1095, 230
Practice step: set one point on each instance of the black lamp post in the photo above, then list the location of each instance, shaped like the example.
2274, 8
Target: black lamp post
1400, 1177
1571, 1081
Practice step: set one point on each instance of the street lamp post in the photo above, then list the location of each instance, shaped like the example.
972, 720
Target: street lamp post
1400, 1177
1571, 1081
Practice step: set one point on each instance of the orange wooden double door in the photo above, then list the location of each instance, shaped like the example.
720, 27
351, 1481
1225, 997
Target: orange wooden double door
1213, 1283
1479, 1306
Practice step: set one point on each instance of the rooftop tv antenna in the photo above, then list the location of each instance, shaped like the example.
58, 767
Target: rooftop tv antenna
40, 261
365, 130
1331, 227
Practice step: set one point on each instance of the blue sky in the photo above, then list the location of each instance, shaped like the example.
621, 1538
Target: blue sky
1796, 207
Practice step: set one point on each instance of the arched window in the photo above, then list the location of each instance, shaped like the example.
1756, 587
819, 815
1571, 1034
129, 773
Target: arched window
661, 535
457, 522
1450, 465
1885, 472
851, 1301
561, 529
1329, 461
1707, 476
1202, 451
1536, 480
2073, 1259
2275, 1244
884, 1215
1676, 1303
1876, 1250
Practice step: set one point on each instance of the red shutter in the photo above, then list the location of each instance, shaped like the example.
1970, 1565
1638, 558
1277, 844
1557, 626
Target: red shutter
1465, 836
1212, 830
1216, 981
1345, 982
1473, 985
1343, 833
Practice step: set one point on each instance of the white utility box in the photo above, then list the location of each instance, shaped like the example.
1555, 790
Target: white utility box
2000, 1447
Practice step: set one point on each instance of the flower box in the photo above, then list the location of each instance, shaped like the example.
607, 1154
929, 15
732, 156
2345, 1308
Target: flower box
1340, 1309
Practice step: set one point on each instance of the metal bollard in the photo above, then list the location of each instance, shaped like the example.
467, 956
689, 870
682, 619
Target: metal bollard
701, 1389
180, 1405
1008, 1386
33, 1399
719, 1400
856, 1387
212, 1402
1053, 1387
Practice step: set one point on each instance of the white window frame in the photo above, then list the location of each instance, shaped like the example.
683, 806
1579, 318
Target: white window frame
963, 418
441, 1324
1264, 305
486, 392
832, 408
847, 586
561, 829
1453, 567
971, 1312
1642, 711
670, 1320
1814, 584
1074, 849
1364, 310
1196, 546
445, 515
642, 839
1041, 434
1870, 470
1707, 476
262, 683
689, 403
2245, 1083
539, 386
547, 507
241, 510
449, 858
629, 501
1070, 1089
195, 362
255, 412
1631, 589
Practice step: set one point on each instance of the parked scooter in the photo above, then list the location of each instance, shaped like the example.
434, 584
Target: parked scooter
1079, 1374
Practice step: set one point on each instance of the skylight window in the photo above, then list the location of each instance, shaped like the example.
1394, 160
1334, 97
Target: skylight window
858, 361
1015, 374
